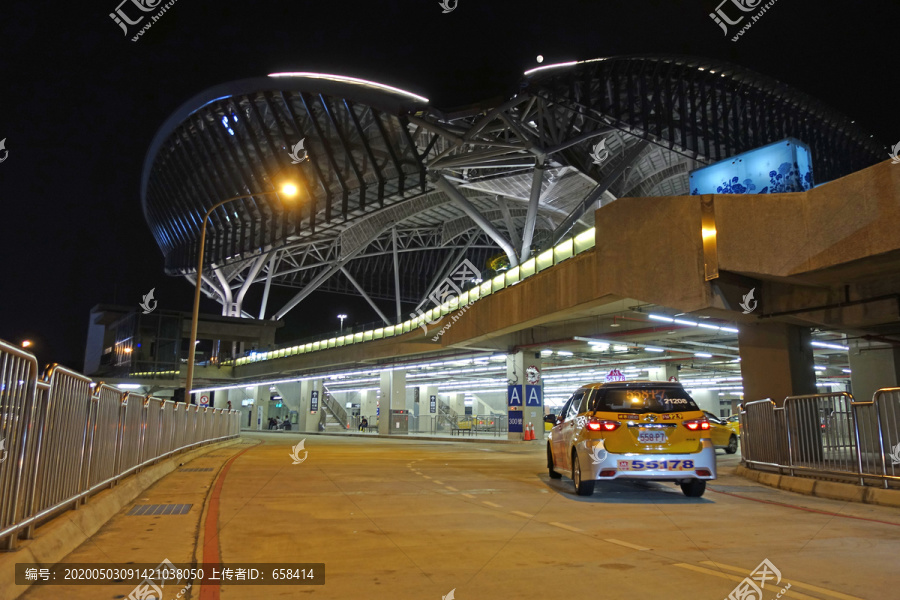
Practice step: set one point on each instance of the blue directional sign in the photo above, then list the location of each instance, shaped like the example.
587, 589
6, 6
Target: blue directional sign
432, 403
314, 401
516, 421
514, 395
532, 395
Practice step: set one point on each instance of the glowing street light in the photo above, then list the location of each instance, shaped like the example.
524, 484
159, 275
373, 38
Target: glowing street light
26, 343
288, 190
342, 317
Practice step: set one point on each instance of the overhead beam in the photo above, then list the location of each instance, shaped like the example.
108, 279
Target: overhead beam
631, 155
456, 196
365, 296
537, 181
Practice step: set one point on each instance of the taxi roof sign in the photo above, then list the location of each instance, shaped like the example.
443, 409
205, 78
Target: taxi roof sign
615, 375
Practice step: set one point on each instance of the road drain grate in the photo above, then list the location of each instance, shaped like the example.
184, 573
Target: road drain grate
195, 470
159, 509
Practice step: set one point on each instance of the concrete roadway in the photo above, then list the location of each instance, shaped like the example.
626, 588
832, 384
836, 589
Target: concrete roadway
406, 519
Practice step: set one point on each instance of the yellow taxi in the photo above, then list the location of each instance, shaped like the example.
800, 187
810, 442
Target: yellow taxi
734, 423
649, 430
723, 436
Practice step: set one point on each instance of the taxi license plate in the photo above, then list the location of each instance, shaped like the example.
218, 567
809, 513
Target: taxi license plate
652, 437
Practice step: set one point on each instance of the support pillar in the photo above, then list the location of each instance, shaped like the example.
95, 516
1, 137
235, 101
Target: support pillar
393, 396
457, 403
872, 367
307, 418
776, 361
291, 397
663, 372
529, 405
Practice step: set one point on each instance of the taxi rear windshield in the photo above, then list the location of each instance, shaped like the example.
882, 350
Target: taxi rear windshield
644, 400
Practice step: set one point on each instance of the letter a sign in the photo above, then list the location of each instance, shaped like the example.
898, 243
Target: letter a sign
514, 396
532, 395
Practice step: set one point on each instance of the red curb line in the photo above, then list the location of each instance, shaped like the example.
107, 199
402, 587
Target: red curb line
210, 591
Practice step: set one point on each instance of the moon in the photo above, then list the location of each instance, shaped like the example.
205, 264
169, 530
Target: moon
540, 58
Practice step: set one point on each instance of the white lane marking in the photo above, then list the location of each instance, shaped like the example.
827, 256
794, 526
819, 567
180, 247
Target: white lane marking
468, 495
567, 527
426, 476
491, 504
521, 514
697, 569
439, 482
626, 544
451, 488
793, 583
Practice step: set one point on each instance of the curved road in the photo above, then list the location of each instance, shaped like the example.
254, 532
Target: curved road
417, 519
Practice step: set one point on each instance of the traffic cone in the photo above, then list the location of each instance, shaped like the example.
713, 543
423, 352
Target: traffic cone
528, 434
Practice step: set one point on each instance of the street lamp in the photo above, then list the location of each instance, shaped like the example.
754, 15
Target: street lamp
26, 343
288, 190
342, 317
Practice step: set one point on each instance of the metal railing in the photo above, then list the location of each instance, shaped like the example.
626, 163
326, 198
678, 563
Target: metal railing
63, 438
826, 434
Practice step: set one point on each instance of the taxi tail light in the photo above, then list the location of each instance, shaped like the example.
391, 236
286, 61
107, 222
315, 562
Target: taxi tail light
602, 425
607, 473
703, 472
697, 425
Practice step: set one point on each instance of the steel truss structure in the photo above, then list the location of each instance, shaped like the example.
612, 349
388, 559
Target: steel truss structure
396, 192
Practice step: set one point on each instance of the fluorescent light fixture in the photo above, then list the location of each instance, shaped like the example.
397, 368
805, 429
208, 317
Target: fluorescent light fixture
128, 386
818, 368
354, 80
845, 370
620, 348
729, 329
705, 326
661, 318
832, 346
702, 355
564, 353
683, 322
553, 66
599, 347
652, 349
498, 357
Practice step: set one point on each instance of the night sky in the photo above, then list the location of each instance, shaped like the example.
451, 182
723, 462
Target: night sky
81, 103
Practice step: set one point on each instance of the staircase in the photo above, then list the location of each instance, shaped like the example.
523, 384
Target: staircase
446, 417
333, 414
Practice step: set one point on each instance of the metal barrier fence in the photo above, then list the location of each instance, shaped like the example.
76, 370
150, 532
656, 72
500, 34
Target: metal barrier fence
826, 434
63, 438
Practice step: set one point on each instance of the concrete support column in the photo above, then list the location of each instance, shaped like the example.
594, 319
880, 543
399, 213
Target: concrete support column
663, 372
393, 395
872, 367
529, 406
307, 420
776, 361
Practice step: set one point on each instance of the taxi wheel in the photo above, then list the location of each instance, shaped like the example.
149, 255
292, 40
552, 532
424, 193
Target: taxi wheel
582, 488
693, 488
553, 474
732, 444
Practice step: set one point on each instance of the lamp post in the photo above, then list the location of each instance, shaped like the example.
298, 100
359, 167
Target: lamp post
289, 190
342, 317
